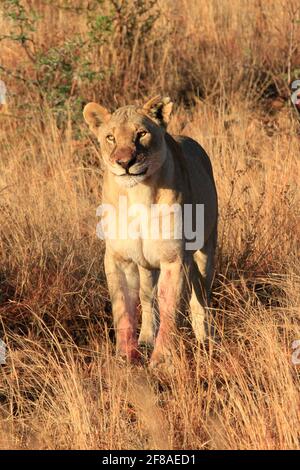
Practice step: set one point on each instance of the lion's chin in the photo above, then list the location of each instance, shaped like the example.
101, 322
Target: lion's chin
128, 181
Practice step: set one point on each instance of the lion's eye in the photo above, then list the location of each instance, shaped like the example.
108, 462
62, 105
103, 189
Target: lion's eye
110, 138
141, 134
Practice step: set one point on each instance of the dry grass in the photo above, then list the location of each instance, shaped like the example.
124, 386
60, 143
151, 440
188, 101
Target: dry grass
62, 387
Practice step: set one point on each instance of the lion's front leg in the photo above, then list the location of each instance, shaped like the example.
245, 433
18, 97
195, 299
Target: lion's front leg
170, 290
148, 282
123, 285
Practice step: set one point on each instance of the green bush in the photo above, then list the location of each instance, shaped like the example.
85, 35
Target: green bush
59, 72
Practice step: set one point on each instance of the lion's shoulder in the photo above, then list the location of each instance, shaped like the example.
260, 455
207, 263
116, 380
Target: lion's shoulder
187, 148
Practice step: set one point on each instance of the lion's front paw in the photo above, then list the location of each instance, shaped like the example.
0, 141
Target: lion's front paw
162, 360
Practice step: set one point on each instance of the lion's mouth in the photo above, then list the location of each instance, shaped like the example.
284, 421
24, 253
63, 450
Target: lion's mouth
143, 172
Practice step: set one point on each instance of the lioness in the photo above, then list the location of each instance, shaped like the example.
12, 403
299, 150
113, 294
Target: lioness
145, 164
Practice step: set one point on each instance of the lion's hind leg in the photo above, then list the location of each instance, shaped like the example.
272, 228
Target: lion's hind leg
202, 275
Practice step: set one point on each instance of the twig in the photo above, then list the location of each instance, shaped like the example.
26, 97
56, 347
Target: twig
15, 117
18, 77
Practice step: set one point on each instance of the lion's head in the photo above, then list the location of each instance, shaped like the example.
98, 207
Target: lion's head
132, 138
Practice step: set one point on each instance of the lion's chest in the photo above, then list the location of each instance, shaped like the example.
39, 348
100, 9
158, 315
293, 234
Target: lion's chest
143, 232
146, 253
148, 238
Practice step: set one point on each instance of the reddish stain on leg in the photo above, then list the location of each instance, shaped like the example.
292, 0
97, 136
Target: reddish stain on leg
126, 338
167, 304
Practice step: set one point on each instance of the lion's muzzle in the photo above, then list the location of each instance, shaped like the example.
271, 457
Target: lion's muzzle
125, 157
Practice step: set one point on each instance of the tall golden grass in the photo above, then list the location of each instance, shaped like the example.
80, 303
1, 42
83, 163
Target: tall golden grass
62, 387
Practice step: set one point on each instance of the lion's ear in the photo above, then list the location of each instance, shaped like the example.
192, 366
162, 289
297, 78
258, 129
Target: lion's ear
159, 109
95, 115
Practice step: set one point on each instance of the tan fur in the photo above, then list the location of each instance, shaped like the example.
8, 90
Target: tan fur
163, 170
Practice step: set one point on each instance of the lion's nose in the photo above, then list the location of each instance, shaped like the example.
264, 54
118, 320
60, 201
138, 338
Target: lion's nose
126, 163
125, 157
